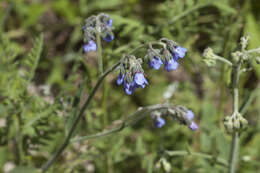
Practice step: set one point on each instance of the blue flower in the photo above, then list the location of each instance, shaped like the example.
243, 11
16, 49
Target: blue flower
109, 23
193, 126
140, 80
109, 38
155, 63
179, 52
90, 46
190, 115
172, 64
159, 122
129, 87
120, 79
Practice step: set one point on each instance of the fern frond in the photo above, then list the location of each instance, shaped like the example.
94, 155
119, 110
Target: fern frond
30, 63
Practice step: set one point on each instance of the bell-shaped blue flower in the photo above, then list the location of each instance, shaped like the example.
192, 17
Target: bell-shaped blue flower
140, 80
120, 79
159, 122
155, 63
180, 52
129, 87
109, 23
90, 46
109, 38
170, 65
193, 126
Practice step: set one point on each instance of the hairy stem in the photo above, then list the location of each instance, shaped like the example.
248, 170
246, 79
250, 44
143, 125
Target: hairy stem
235, 137
128, 121
46, 166
99, 54
66, 142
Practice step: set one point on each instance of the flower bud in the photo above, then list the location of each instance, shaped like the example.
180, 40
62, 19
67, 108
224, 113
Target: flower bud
228, 124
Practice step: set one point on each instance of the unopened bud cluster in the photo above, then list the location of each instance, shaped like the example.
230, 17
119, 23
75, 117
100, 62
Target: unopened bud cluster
209, 57
235, 123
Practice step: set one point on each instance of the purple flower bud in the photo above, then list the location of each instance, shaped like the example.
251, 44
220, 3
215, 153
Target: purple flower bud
193, 126
109, 38
120, 79
90, 46
140, 80
159, 122
180, 52
155, 63
172, 64
109, 23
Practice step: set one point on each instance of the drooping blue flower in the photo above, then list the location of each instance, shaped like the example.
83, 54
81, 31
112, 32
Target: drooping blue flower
129, 87
159, 122
155, 63
193, 126
179, 52
109, 23
140, 80
109, 38
170, 65
120, 79
90, 46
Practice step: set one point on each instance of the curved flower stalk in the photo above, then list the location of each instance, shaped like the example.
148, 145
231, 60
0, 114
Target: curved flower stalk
155, 111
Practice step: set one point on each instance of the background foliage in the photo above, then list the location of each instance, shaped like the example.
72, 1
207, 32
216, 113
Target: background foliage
42, 65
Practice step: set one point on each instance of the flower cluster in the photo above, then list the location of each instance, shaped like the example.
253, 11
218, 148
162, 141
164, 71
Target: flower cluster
131, 75
190, 115
101, 24
180, 113
169, 56
131, 72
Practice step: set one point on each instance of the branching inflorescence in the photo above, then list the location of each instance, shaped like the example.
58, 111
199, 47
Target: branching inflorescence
240, 63
132, 75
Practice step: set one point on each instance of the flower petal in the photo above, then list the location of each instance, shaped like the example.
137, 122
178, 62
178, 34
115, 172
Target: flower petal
90, 46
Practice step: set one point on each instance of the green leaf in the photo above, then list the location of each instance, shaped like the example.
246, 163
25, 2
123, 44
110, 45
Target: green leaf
253, 30
21, 169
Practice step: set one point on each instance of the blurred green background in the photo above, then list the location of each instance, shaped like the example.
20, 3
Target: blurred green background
37, 89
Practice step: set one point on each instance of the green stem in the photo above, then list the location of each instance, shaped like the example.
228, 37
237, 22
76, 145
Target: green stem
224, 60
66, 142
234, 152
217, 160
235, 137
99, 53
46, 166
129, 121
